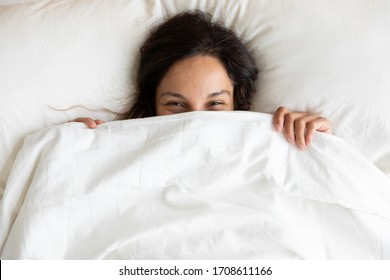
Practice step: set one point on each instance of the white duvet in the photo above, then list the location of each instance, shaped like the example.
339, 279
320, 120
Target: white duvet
199, 185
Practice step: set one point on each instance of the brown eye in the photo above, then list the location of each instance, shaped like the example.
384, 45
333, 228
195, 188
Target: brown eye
216, 103
177, 104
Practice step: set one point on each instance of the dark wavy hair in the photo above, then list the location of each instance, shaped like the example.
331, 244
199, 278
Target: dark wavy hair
185, 35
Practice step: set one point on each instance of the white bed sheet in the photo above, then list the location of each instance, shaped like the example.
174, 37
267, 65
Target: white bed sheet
198, 185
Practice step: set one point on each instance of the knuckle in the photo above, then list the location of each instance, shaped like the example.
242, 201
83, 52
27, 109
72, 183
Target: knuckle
289, 117
310, 125
299, 123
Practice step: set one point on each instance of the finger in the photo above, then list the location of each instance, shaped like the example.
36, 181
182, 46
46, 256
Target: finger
300, 129
289, 126
278, 119
325, 125
311, 128
320, 124
88, 121
99, 122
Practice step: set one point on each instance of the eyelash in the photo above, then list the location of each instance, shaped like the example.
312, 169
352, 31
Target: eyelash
178, 104
182, 105
216, 103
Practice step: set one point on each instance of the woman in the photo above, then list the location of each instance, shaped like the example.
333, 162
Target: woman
190, 63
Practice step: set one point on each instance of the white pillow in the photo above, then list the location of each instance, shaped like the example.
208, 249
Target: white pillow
331, 57
328, 57
14, 2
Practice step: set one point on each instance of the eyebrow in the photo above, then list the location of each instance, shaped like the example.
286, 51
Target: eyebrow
178, 95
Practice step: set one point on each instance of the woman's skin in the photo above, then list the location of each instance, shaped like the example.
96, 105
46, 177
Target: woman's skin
197, 83
201, 83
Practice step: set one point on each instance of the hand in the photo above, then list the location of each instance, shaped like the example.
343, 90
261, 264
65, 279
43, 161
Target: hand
91, 123
299, 127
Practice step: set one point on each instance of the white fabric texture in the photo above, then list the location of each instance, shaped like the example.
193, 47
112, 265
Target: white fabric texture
201, 185
328, 57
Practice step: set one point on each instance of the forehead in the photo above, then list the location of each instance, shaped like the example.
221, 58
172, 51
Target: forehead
200, 74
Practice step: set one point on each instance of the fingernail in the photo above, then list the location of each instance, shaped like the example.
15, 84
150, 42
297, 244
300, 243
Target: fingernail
277, 127
301, 146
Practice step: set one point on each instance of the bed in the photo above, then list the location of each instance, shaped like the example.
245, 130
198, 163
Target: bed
200, 185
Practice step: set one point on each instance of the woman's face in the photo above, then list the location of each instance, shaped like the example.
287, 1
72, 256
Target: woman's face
198, 83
